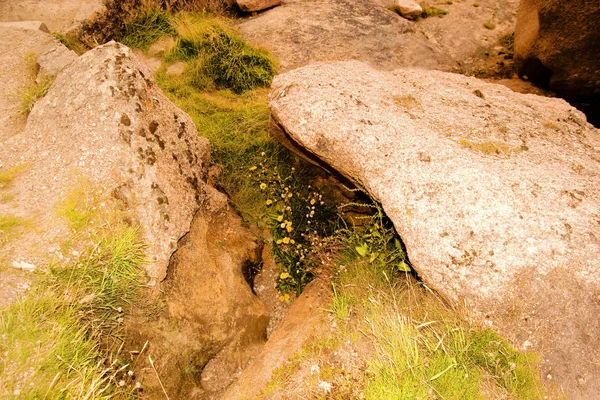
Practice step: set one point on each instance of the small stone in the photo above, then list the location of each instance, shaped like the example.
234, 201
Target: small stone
24, 266
176, 68
326, 386
87, 299
256, 5
408, 9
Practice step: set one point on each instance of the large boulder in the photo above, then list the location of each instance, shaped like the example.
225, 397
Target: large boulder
556, 45
495, 194
105, 136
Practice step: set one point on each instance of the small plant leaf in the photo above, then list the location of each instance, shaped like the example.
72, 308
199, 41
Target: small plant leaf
362, 250
373, 257
403, 267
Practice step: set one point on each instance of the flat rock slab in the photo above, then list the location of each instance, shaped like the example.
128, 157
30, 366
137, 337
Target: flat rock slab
58, 15
301, 32
496, 194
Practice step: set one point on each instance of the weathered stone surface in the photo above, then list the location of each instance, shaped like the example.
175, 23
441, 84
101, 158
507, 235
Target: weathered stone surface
256, 5
496, 194
106, 132
58, 15
16, 44
299, 33
556, 45
220, 323
31, 25
206, 283
302, 321
408, 8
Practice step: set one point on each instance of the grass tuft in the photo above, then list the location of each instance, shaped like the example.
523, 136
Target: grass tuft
429, 11
11, 227
50, 339
218, 56
78, 207
149, 26
8, 176
36, 88
71, 43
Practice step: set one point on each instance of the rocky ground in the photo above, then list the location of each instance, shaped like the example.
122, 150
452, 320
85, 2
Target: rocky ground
494, 234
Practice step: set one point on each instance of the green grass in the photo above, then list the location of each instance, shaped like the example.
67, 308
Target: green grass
78, 207
218, 57
9, 175
406, 342
32, 93
149, 26
71, 43
11, 227
429, 11
54, 341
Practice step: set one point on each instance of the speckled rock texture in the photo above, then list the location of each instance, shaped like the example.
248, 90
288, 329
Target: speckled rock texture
496, 194
105, 128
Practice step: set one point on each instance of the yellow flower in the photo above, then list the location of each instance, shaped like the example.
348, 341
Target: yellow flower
253, 168
286, 240
312, 201
280, 218
292, 241
289, 195
285, 297
269, 202
263, 186
279, 241
299, 246
289, 228
284, 275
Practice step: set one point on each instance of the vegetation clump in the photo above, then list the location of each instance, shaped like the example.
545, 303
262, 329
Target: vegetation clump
389, 337
429, 11
218, 56
54, 341
149, 26
36, 87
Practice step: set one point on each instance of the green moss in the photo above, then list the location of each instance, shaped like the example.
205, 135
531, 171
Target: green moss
489, 25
